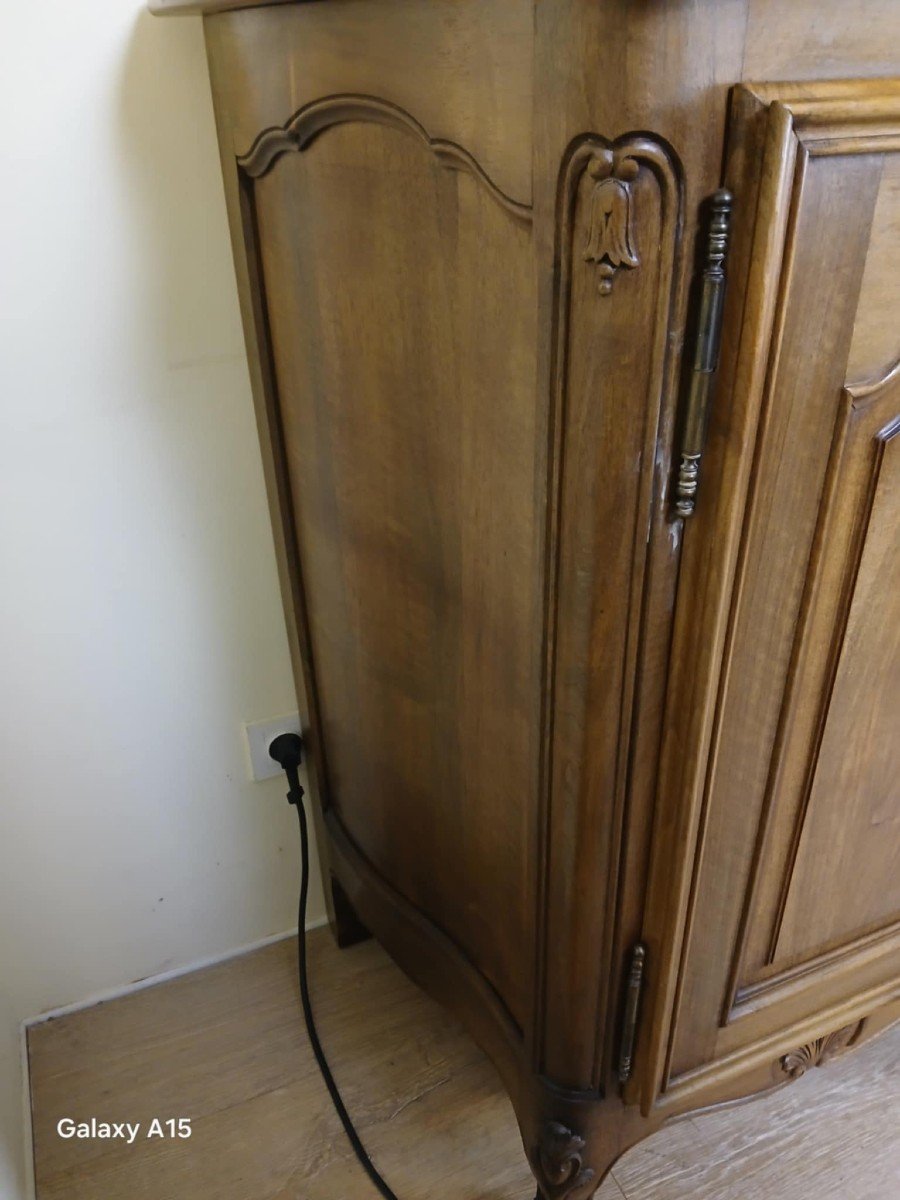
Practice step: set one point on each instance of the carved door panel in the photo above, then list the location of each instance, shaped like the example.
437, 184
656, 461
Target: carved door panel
794, 910
398, 286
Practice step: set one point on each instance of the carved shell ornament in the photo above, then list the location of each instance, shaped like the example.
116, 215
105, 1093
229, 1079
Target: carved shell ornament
819, 1052
610, 241
559, 1162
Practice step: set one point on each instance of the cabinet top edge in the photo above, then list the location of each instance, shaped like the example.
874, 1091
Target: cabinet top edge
205, 8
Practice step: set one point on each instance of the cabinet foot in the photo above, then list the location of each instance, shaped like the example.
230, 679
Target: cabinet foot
573, 1139
346, 927
560, 1164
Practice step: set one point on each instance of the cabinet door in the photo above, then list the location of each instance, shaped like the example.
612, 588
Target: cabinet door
792, 911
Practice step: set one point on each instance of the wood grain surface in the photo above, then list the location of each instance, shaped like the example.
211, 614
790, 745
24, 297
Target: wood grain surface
772, 894
548, 720
225, 1046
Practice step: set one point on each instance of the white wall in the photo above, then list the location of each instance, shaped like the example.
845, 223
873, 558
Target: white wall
140, 623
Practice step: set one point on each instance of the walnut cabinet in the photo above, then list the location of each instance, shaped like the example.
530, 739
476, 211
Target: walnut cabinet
585, 480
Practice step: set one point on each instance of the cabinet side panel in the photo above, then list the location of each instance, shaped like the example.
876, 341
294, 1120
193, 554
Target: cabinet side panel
401, 311
387, 290
820, 39
462, 67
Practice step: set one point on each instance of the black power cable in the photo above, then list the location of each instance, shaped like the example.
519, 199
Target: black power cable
287, 750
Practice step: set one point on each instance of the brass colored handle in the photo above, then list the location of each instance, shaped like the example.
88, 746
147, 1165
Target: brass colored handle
706, 352
632, 1002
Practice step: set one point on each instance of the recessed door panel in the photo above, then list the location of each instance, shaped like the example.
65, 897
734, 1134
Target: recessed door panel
843, 882
400, 296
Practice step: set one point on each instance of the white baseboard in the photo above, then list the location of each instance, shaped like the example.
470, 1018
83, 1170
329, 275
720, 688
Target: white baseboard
138, 985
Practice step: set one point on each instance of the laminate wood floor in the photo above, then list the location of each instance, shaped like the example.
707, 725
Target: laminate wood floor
225, 1047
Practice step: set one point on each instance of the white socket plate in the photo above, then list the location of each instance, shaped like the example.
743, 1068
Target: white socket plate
259, 736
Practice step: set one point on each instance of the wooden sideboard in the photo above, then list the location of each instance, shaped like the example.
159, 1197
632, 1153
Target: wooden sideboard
605, 736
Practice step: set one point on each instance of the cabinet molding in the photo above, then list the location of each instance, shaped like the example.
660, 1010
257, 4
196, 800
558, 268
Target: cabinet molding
314, 118
613, 391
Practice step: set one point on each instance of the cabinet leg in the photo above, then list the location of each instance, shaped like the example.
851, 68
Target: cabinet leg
561, 1164
346, 927
573, 1139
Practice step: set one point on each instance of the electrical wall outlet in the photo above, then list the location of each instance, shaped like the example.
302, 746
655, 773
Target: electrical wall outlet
260, 736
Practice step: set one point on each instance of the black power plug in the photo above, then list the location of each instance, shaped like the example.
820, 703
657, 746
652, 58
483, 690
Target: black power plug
287, 751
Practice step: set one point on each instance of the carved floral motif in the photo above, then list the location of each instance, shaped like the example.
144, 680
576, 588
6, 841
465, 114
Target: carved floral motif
817, 1053
610, 241
559, 1162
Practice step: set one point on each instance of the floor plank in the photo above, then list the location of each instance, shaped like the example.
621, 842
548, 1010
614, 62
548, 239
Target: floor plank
832, 1135
225, 1047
